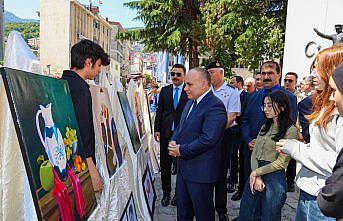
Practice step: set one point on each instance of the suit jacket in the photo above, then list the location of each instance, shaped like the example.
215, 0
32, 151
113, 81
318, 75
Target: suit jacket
166, 114
200, 137
254, 117
244, 96
330, 198
305, 108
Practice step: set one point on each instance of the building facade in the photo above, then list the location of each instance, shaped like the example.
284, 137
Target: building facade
63, 23
119, 53
34, 43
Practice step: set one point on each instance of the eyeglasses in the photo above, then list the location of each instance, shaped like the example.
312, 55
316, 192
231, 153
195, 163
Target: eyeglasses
288, 80
175, 73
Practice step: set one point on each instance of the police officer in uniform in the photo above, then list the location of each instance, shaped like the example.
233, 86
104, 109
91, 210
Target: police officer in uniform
231, 99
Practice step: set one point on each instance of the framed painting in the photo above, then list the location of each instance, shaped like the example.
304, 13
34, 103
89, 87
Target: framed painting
51, 146
129, 213
149, 191
150, 120
148, 157
105, 128
139, 112
130, 123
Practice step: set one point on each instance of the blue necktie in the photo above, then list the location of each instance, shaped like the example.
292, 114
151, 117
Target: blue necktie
176, 101
176, 97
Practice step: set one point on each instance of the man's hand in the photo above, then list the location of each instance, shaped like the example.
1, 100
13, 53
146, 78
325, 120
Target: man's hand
174, 149
95, 176
251, 144
157, 136
231, 117
259, 184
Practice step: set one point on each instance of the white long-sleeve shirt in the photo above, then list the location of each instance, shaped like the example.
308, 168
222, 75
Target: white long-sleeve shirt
317, 158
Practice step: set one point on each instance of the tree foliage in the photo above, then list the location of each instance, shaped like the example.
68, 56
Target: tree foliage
249, 31
236, 32
27, 30
170, 25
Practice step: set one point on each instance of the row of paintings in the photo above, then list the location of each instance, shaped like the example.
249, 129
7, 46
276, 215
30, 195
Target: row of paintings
52, 149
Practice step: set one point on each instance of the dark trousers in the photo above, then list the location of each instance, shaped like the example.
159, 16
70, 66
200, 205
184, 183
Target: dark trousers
194, 199
291, 171
166, 164
234, 143
265, 205
241, 182
220, 190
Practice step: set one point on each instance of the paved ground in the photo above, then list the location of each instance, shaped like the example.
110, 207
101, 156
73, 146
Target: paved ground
169, 213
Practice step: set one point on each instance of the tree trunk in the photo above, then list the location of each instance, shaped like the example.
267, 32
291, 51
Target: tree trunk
193, 54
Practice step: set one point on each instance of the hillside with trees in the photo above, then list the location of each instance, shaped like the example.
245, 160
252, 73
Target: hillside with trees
27, 30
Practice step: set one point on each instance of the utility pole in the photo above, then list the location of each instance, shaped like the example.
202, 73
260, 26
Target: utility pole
1, 30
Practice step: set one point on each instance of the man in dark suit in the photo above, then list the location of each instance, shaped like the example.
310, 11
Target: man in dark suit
237, 81
197, 142
254, 118
171, 102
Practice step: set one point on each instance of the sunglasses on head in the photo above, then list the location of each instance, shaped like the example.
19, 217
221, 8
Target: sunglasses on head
288, 80
175, 73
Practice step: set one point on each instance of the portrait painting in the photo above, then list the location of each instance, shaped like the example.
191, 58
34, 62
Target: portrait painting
149, 191
105, 128
130, 213
130, 123
139, 113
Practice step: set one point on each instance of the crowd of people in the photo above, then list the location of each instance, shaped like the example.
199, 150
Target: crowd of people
249, 136
237, 136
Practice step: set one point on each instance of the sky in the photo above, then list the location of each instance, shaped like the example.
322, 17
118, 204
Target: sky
111, 9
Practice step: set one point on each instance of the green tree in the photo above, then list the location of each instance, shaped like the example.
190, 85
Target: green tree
235, 32
244, 32
171, 25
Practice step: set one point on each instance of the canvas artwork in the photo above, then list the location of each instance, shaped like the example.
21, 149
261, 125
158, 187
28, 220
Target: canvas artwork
105, 128
139, 113
130, 210
150, 166
51, 146
148, 107
149, 191
130, 123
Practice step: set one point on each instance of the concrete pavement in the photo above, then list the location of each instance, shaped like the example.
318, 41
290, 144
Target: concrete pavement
169, 213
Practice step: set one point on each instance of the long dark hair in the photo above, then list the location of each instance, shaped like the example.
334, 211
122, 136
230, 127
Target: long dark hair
281, 104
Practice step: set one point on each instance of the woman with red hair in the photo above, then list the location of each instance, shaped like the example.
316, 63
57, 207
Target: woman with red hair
318, 158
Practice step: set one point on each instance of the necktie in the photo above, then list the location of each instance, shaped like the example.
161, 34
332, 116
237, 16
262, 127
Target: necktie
193, 108
176, 101
176, 97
